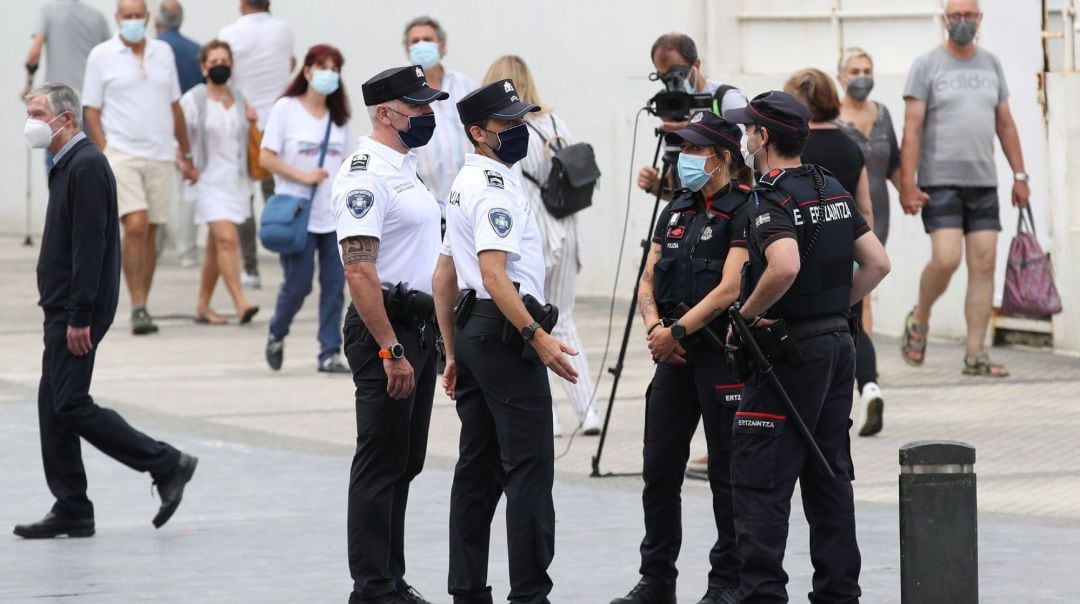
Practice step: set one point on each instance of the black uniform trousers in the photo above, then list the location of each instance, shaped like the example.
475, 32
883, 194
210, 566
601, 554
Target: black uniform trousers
391, 444
769, 455
504, 404
678, 396
67, 412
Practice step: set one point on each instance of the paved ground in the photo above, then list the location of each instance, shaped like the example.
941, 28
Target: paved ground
265, 517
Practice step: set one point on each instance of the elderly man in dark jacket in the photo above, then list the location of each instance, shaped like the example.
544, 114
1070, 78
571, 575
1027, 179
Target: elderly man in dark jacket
78, 275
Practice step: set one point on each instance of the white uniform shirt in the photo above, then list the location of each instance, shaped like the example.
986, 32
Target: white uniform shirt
135, 97
262, 48
488, 210
377, 194
443, 156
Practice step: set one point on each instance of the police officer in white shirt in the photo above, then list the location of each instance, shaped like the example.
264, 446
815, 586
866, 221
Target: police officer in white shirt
497, 347
388, 224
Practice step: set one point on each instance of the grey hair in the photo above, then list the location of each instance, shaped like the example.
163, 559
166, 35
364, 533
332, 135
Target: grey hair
61, 99
421, 21
259, 4
850, 53
170, 14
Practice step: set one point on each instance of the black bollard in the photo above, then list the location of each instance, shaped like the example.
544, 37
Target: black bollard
939, 553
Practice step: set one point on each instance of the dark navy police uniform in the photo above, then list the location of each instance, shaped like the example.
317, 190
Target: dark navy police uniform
768, 454
694, 235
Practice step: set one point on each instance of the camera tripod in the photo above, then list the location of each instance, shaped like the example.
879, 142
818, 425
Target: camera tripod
667, 161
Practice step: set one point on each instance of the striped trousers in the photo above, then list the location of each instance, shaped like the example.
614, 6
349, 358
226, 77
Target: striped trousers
559, 285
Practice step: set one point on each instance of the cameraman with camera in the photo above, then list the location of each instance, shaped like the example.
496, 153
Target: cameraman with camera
686, 91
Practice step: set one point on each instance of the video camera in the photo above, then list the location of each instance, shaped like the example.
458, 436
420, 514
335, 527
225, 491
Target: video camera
674, 102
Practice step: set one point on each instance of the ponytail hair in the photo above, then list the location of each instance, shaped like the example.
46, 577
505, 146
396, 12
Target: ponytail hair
737, 168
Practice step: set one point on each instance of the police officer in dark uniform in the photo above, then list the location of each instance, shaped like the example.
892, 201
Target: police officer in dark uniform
690, 279
498, 342
388, 227
804, 233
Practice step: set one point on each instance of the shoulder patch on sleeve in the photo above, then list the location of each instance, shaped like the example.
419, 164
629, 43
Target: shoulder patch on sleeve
494, 179
359, 162
501, 221
359, 201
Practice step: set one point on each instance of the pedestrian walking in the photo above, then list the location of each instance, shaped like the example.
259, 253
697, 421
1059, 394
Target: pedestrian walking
78, 276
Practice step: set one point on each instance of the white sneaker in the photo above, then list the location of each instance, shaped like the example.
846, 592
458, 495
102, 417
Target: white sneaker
591, 425
250, 280
871, 410
556, 426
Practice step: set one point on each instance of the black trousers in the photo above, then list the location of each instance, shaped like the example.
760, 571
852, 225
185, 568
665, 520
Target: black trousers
66, 412
678, 396
391, 444
504, 404
768, 456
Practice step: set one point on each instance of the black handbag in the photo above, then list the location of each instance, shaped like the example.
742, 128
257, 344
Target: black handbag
572, 179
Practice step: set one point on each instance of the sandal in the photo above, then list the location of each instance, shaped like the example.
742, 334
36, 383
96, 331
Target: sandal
980, 365
913, 341
248, 314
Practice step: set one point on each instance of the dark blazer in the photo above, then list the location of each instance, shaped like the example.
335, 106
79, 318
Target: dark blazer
78, 270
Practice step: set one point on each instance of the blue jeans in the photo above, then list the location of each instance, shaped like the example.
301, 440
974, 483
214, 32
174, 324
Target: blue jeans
299, 271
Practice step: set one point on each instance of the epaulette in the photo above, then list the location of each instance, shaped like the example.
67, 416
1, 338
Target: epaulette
494, 179
359, 162
771, 178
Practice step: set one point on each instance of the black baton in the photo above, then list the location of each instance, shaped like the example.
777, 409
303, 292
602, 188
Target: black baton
766, 368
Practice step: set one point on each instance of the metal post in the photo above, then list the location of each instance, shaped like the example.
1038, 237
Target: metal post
1069, 15
939, 561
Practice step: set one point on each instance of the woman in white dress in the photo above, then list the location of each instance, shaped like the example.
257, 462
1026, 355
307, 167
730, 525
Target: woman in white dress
218, 120
562, 247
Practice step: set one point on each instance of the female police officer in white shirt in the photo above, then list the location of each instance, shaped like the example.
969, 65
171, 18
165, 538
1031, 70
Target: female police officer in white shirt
388, 225
493, 254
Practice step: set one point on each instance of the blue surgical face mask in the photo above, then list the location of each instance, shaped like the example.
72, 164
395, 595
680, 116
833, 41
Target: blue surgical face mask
133, 30
421, 129
692, 172
513, 144
325, 81
425, 54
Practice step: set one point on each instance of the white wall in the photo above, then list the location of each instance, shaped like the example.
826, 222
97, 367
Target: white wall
591, 61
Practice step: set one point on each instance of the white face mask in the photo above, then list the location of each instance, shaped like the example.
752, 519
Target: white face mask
748, 157
38, 133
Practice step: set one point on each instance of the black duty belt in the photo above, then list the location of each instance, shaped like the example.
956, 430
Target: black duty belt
486, 309
817, 326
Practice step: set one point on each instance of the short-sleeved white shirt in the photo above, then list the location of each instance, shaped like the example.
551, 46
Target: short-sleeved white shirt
489, 210
262, 49
377, 194
135, 97
296, 136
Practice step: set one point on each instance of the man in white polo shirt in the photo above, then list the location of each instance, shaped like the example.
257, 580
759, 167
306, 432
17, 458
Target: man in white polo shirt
131, 97
262, 50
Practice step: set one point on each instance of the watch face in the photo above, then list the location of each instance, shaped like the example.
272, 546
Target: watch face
397, 351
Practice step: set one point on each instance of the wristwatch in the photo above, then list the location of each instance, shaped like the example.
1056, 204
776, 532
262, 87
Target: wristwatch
678, 331
1021, 176
529, 331
393, 352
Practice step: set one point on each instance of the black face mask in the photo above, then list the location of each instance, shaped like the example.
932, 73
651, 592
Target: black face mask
219, 74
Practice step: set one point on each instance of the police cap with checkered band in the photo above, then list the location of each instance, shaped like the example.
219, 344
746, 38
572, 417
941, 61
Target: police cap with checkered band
497, 100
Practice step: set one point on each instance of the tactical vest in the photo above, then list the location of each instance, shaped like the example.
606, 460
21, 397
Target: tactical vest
826, 240
694, 245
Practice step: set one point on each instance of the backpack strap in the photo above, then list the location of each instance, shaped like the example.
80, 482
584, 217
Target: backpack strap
718, 98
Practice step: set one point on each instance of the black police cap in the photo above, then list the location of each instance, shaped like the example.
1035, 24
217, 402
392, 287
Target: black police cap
708, 129
774, 109
406, 83
498, 100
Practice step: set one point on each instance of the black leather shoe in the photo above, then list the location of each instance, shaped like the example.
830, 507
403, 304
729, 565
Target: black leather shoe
411, 596
171, 489
53, 526
394, 597
719, 595
647, 593
275, 353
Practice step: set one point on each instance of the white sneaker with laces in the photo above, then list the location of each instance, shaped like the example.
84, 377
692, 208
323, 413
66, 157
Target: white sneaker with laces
871, 410
591, 425
250, 280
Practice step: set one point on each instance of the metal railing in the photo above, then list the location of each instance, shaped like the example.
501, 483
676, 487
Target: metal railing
1067, 34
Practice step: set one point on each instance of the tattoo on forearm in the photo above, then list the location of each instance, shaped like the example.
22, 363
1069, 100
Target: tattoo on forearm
359, 249
647, 306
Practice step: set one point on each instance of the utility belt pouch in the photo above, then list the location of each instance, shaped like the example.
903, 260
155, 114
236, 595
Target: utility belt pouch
776, 342
547, 315
463, 307
408, 306
738, 359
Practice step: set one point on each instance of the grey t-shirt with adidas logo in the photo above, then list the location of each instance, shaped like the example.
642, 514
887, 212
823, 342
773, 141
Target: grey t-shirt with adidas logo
961, 97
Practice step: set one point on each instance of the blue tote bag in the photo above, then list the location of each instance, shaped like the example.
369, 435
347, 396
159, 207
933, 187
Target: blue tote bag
284, 222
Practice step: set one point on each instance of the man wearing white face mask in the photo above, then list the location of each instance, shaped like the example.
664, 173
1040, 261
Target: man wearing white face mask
131, 95
443, 157
78, 277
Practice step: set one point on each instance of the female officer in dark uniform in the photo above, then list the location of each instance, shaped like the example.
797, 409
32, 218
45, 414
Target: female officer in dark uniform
698, 251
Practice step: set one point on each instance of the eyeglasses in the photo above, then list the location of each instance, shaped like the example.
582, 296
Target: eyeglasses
969, 17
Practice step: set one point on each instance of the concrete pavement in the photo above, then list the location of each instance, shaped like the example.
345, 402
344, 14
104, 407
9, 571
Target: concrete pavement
264, 520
